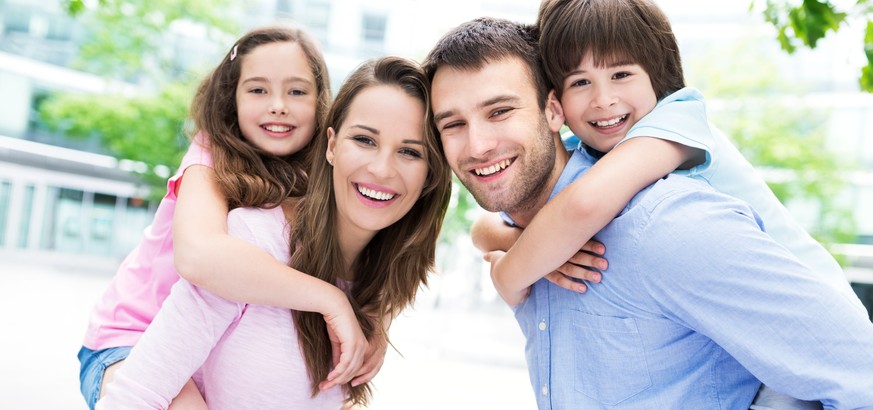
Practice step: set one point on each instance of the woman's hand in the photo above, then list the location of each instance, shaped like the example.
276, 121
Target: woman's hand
348, 344
374, 359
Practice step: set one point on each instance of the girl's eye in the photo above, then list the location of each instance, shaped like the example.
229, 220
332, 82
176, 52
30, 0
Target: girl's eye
410, 152
258, 90
297, 92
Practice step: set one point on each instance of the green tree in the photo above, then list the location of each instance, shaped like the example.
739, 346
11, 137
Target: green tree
783, 139
811, 20
133, 41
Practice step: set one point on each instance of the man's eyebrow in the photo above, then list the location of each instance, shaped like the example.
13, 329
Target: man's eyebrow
489, 102
443, 115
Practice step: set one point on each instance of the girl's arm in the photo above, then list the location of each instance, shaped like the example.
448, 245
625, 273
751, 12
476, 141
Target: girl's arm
209, 258
239, 271
576, 214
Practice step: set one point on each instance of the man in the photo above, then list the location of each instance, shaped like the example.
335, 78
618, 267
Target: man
699, 304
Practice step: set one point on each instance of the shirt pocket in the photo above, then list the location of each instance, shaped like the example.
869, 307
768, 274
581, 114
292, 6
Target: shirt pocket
610, 363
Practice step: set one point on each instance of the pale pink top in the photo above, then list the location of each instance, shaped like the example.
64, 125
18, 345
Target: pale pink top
241, 356
144, 278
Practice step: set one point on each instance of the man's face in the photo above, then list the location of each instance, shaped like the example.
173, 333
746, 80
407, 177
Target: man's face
497, 140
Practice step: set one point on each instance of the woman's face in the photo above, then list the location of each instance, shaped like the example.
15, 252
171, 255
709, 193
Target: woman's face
379, 159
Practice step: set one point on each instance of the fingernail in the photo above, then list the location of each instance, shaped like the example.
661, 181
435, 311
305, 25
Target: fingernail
596, 277
581, 288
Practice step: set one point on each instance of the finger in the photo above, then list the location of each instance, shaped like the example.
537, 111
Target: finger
563, 281
579, 272
594, 247
368, 375
589, 260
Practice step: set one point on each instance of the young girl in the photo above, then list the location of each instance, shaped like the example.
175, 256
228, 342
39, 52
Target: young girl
255, 113
368, 225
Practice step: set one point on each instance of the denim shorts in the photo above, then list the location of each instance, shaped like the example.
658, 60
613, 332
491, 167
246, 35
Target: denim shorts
93, 363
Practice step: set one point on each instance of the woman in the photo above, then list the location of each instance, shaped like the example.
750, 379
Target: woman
365, 236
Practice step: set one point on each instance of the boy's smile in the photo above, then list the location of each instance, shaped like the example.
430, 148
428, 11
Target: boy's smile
601, 104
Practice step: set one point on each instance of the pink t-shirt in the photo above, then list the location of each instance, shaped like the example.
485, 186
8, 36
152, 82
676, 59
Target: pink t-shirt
240, 355
144, 278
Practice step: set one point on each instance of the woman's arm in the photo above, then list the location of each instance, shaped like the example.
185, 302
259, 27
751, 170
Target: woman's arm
576, 214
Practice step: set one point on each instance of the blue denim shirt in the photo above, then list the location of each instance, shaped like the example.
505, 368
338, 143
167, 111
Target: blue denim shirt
697, 306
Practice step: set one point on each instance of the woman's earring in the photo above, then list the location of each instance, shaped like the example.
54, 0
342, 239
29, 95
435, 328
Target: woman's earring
329, 161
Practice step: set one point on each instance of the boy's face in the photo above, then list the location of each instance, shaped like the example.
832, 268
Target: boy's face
602, 103
497, 140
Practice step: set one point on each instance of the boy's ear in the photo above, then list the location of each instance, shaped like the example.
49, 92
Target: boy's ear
331, 144
554, 112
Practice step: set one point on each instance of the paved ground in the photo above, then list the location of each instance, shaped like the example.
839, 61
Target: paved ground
458, 352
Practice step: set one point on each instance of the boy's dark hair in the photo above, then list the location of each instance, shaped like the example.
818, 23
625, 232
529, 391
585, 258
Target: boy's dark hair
477, 42
611, 31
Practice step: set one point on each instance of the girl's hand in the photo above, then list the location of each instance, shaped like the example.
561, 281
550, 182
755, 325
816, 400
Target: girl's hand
585, 265
348, 344
373, 360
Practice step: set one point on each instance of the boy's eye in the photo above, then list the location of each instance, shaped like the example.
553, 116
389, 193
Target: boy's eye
579, 83
620, 75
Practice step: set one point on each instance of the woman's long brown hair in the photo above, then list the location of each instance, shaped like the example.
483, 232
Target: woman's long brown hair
247, 175
395, 263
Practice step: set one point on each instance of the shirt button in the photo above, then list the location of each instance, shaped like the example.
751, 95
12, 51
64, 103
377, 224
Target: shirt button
545, 390
543, 325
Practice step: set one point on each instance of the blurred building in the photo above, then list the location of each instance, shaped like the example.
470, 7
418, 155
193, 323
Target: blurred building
63, 195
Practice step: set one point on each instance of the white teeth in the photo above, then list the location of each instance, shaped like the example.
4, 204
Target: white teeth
371, 193
609, 123
277, 128
492, 169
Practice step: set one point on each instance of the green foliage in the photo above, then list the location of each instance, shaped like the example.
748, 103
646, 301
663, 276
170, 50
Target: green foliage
811, 20
459, 217
133, 38
146, 128
782, 138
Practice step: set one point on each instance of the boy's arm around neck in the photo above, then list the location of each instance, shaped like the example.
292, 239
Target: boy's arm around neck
581, 210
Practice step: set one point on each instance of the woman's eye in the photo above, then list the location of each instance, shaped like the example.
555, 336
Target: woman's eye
363, 139
411, 153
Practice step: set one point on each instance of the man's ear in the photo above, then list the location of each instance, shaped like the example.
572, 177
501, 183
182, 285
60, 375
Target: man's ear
554, 112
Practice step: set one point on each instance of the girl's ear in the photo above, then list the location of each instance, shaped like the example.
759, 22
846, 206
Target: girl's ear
331, 144
554, 112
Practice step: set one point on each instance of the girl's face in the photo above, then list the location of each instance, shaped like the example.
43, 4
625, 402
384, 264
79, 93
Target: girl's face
276, 98
378, 157
601, 104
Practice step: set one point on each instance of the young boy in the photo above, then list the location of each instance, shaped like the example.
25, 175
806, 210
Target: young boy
616, 70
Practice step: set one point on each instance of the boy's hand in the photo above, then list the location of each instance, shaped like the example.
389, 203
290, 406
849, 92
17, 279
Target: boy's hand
585, 265
373, 360
348, 344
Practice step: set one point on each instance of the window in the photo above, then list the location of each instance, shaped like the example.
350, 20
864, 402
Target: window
373, 29
5, 193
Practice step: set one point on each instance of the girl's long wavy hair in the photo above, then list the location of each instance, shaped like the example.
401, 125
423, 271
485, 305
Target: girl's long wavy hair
392, 267
247, 175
